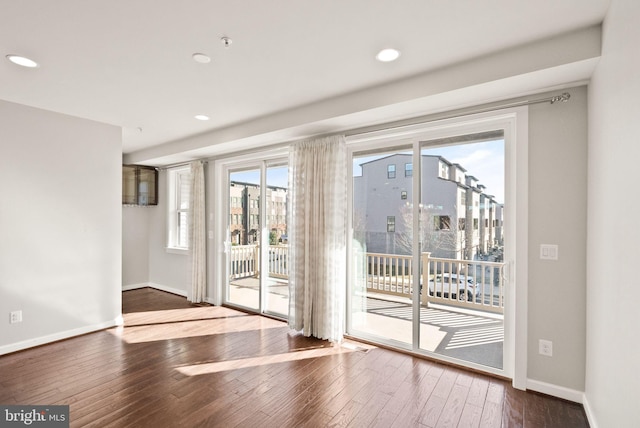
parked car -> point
(460, 287)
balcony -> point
(461, 301)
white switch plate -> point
(548, 252)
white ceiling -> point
(128, 63)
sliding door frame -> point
(219, 218)
(514, 123)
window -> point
(391, 171)
(444, 170)
(178, 204)
(403, 194)
(391, 223)
(442, 222)
(461, 223)
(475, 224)
(463, 199)
(408, 170)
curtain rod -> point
(564, 97)
(176, 165)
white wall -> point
(135, 245)
(60, 222)
(613, 285)
(557, 215)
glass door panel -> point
(462, 244)
(243, 247)
(381, 291)
(276, 277)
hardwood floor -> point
(174, 364)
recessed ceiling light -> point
(201, 58)
(388, 55)
(21, 60)
(201, 117)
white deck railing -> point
(392, 274)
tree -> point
(440, 234)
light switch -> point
(548, 252)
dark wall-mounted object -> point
(139, 185)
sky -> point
(485, 161)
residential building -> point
(457, 216)
(244, 217)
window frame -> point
(391, 224)
(391, 170)
(177, 233)
(408, 169)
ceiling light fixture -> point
(226, 41)
(388, 55)
(201, 117)
(201, 58)
(22, 60)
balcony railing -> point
(472, 284)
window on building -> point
(391, 171)
(461, 223)
(408, 170)
(442, 222)
(475, 224)
(391, 223)
(178, 205)
(444, 170)
(403, 194)
(463, 199)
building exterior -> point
(244, 212)
(458, 219)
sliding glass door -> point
(428, 242)
(256, 239)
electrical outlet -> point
(545, 347)
(15, 317)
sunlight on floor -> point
(216, 367)
(192, 322)
(176, 315)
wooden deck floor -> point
(174, 364)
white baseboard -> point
(171, 290)
(587, 409)
(19, 346)
(134, 286)
(160, 287)
(555, 390)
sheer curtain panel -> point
(317, 275)
(197, 234)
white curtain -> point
(197, 234)
(317, 229)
